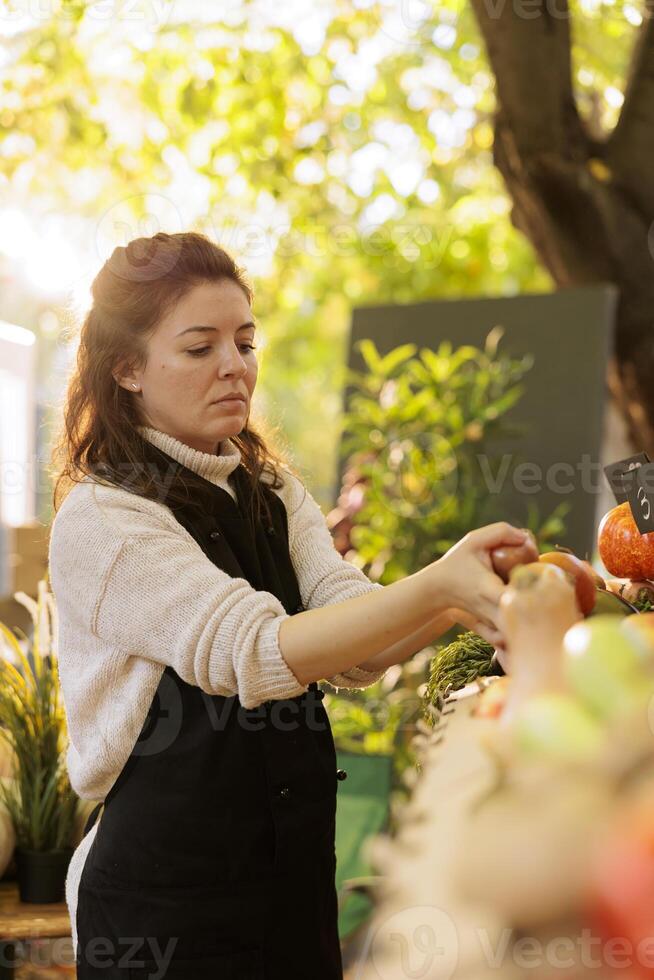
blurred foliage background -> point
(417, 425)
(341, 150)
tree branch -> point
(630, 149)
(560, 208)
(528, 44)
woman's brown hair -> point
(132, 292)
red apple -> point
(597, 578)
(506, 558)
(622, 881)
(625, 552)
(582, 579)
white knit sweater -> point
(135, 592)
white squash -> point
(7, 833)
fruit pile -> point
(629, 555)
(624, 552)
(594, 594)
(578, 649)
(528, 849)
(565, 842)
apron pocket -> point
(242, 965)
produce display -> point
(468, 657)
(638, 594)
(625, 552)
(533, 824)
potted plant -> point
(417, 426)
(39, 799)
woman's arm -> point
(409, 645)
(426, 635)
(325, 578)
(325, 641)
(130, 582)
(328, 640)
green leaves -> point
(97, 110)
(418, 424)
(365, 726)
(40, 799)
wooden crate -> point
(29, 921)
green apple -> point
(604, 668)
(558, 727)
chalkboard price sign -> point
(641, 498)
(622, 476)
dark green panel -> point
(568, 333)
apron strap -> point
(92, 817)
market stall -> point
(528, 846)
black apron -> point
(214, 856)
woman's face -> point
(199, 352)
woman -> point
(200, 599)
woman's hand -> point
(470, 622)
(466, 582)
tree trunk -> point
(585, 200)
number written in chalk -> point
(641, 498)
(644, 503)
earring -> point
(134, 386)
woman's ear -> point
(125, 376)
(128, 383)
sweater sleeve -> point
(324, 576)
(157, 596)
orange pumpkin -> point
(626, 552)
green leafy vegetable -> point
(468, 657)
